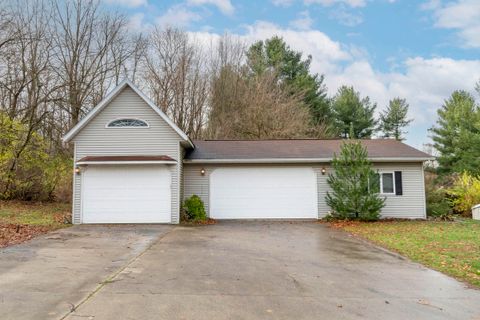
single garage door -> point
(126, 194)
(263, 193)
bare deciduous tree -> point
(26, 86)
(176, 78)
(59, 58)
(245, 106)
(89, 48)
(257, 109)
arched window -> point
(121, 123)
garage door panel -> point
(126, 194)
(257, 193)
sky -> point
(418, 50)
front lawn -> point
(450, 247)
(21, 221)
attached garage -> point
(126, 194)
(132, 164)
(263, 193)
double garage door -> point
(263, 193)
(142, 193)
(126, 194)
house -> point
(134, 165)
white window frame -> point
(128, 127)
(381, 182)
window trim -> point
(128, 127)
(393, 182)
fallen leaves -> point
(209, 221)
(21, 220)
(14, 233)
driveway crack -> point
(111, 277)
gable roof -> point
(308, 150)
(99, 107)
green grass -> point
(34, 214)
(450, 247)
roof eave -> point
(304, 160)
(83, 163)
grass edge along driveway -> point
(22, 221)
(449, 247)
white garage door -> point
(263, 193)
(126, 194)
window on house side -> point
(387, 183)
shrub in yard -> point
(194, 209)
(437, 204)
(354, 185)
(29, 170)
(465, 193)
(437, 198)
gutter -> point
(300, 160)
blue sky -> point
(418, 50)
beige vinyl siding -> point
(196, 184)
(180, 179)
(410, 205)
(322, 188)
(158, 139)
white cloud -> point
(424, 82)
(282, 3)
(303, 22)
(326, 52)
(137, 24)
(128, 3)
(328, 3)
(460, 15)
(427, 82)
(431, 5)
(342, 12)
(178, 16)
(346, 18)
(225, 6)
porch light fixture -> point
(202, 171)
(324, 171)
(77, 170)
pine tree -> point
(353, 114)
(354, 185)
(456, 134)
(394, 119)
(293, 73)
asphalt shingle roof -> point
(297, 149)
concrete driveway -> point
(232, 270)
